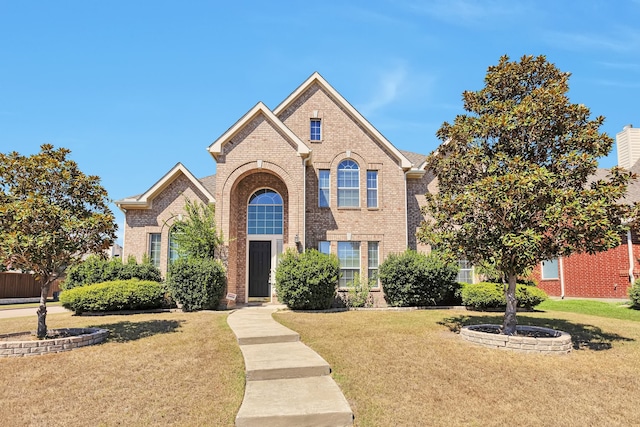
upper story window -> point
(316, 130)
(264, 213)
(348, 184)
(372, 189)
(323, 188)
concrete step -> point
(281, 361)
(298, 402)
(258, 327)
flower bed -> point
(530, 339)
(22, 343)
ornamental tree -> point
(517, 176)
(50, 215)
(196, 235)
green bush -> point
(116, 295)
(98, 270)
(488, 296)
(359, 293)
(634, 294)
(197, 284)
(307, 281)
(416, 279)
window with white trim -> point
(155, 241)
(315, 130)
(372, 189)
(324, 182)
(373, 261)
(174, 254)
(265, 213)
(465, 274)
(348, 184)
(549, 269)
(349, 256)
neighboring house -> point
(311, 173)
(607, 274)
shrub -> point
(98, 270)
(116, 295)
(359, 293)
(307, 281)
(487, 296)
(634, 294)
(416, 279)
(197, 284)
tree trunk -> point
(42, 310)
(509, 324)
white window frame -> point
(343, 189)
(372, 190)
(557, 269)
(155, 246)
(327, 188)
(352, 269)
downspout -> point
(560, 261)
(406, 212)
(630, 249)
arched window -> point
(264, 213)
(348, 184)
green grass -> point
(618, 310)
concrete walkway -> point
(23, 312)
(288, 384)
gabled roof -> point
(260, 109)
(144, 200)
(316, 78)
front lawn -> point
(412, 369)
(155, 370)
(613, 310)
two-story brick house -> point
(311, 173)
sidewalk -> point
(23, 312)
(287, 383)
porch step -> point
(312, 401)
(282, 361)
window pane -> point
(550, 269)
(349, 256)
(465, 274)
(316, 127)
(373, 260)
(173, 246)
(265, 213)
(348, 184)
(324, 247)
(154, 249)
(372, 189)
(323, 186)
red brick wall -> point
(603, 275)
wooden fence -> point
(19, 285)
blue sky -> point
(133, 87)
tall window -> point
(154, 248)
(550, 269)
(264, 213)
(465, 274)
(349, 256)
(324, 247)
(372, 189)
(374, 260)
(316, 130)
(323, 188)
(173, 245)
(348, 184)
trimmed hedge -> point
(98, 270)
(634, 294)
(116, 295)
(307, 281)
(488, 296)
(197, 284)
(416, 279)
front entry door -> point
(259, 268)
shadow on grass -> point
(583, 337)
(131, 331)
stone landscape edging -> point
(80, 337)
(559, 343)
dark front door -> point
(259, 268)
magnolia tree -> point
(516, 176)
(50, 215)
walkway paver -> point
(288, 384)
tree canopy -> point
(196, 235)
(517, 180)
(50, 215)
